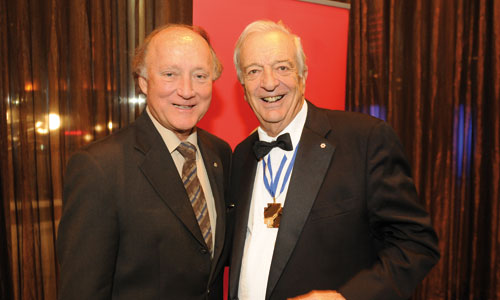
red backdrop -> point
(323, 31)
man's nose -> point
(269, 81)
(185, 88)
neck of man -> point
(274, 129)
(183, 135)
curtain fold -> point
(65, 82)
(431, 69)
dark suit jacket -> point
(128, 230)
(351, 220)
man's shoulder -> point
(212, 138)
(213, 141)
(356, 127)
(111, 148)
(344, 121)
(245, 146)
(338, 117)
(124, 135)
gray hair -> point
(139, 60)
(268, 26)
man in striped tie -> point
(144, 215)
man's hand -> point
(320, 295)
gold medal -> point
(272, 215)
(273, 211)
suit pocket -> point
(328, 210)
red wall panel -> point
(323, 31)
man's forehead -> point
(273, 36)
(175, 37)
(272, 46)
(176, 34)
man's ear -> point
(244, 93)
(143, 84)
(304, 76)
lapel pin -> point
(215, 165)
(322, 145)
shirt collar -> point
(169, 137)
(294, 128)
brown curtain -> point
(432, 70)
(65, 81)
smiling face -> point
(270, 78)
(178, 86)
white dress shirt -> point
(260, 240)
(172, 141)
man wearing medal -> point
(325, 204)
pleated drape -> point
(432, 70)
(65, 82)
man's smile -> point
(184, 106)
(271, 99)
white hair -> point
(268, 26)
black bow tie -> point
(261, 148)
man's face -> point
(271, 81)
(179, 79)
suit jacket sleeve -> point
(88, 232)
(401, 228)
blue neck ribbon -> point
(272, 186)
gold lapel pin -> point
(322, 145)
(215, 165)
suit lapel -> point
(215, 173)
(159, 168)
(242, 197)
(313, 159)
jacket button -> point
(203, 251)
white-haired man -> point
(325, 205)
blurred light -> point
(137, 100)
(54, 121)
(110, 125)
(378, 111)
(87, 137)
(28, 87)
(42, 130)
(463, 140)
(73, 132)
(98, 128)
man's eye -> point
(201, 76)
(283, 68)
(168, 74)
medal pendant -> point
(272, 215)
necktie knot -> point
(187, 150)
(262, 148)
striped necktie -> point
(194, 190)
